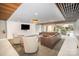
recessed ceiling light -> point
(35, 13)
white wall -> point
(14, 29)
(2, 29)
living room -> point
(39, 29)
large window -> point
(61, 28)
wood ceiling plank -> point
(13, 6)
(4, 16)
(6, 10)
(7, 7)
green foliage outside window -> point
(63, 30)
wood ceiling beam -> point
(71, 11)
(61, 7)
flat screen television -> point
(25, 27)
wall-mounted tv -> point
(25, 27)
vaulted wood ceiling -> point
(70, 11)
(7, 9)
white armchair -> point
(30, 44)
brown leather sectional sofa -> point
(49, 39)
